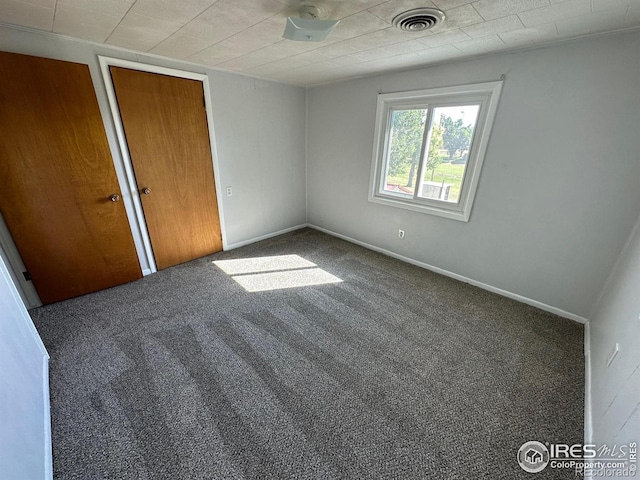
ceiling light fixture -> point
(310, 26)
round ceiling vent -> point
(418, 19)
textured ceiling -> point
(246, 35)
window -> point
(429, 147)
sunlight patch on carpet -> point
(261, 274)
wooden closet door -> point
(57, 177)
(165, 125)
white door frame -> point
(130, 192)
(13, 261)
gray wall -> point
(25, 449)
(615, 391)
(559, 192)
(259, 131)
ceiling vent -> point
(418, 19)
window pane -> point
(449, 143)
(403, 154)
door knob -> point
(114, 198)
(146, 190)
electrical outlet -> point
(612, 355)
(401, 234)
(229, 191)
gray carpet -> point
(394, 373)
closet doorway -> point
(165, 140)
(60, 196)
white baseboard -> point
(146, 271)
(264, 237)
(484, 286)
(46, 399)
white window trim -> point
(487, 94)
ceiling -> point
(245, 36)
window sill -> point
(451, 213)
